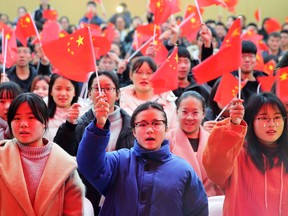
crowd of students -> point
(137, 152)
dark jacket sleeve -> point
(44, 69)
(69, 136)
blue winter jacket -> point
(137, 181)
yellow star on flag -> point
(283, 76)
(80, 40)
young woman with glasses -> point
(189, 139)
(146, 180)
(70, 133)
(252, 172)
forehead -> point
(103, 79)
(190, 102)
(24, 108)
(61, 81)
(149, 114)
(269, 109)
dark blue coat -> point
(138, 181)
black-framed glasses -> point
(156, 124)
(264, 120)
(107, 90)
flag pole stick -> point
(5, 57)
(148, 41)
(239, 83)
(198, 10)
(222, 111)
(94, 57)
(36, 30)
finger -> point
(75, 105)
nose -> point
(149, 128)
(271, 122)
(23, 124)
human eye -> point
(278, 118)
(157, 123)
(263, 118)
(16, 118)
(142, 124)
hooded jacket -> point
(248, 191)
(60, 191)
(137, 181)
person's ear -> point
(134, 133)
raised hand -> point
(236, 111)
(73, 113)
(101, 109)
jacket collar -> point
(161, 155)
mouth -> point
(150, 139)
(271, 132)
(23, 133)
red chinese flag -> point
(50, 14)
(233, 36)
(269, 67)
(228, 89)
(25, 28)
(102, 45)
(63, 33)
(72, 55)
(272, 25)
(231, 4)
(142, 34)
(206, 3)
(191, 23)
(165, 78)
(218, 64)
(11, 55)
(160, 49)
(257, 15)
(95, 29)
(163, 9)
(266, 82)
(282, 83)
(50, 32)
(252, 36)
(7, 31)
(109, 32)
(262, 46)
(259, 62)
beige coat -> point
(60, 191)
(180, 146)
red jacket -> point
(248, 191)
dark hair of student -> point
(192, 94)
(249, 47)
(35, 102)
(37, 79)
(51, 103)
(254, 147)
(138, 62)
(9, 90)
(145, 106)
(110, 75)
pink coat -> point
(180, 146)
(60, 191)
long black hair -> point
(254, 146)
